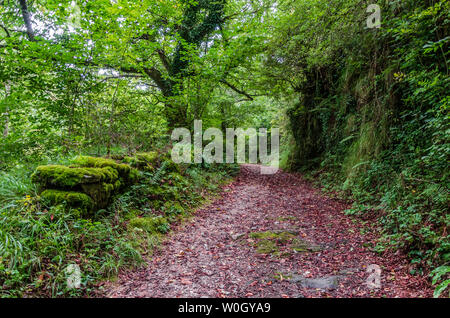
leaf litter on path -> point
(218, 253)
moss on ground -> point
(266, 247)
(281, 243)
(151, 224)
(280, 236)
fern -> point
(439, 273)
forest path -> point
(311, 250)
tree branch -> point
(6, 30)
(237, 90)
(164, 59)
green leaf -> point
(440, 288)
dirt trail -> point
(311, 250)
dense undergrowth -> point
(372, 120)
(40, 240)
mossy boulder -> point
(97, 178)
(151, 224)
(126, 173)
(101, 193)
(62, 177)
(73, 199)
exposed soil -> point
(271, 236)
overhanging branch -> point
(237, 90)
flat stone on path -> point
(325, 283)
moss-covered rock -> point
(101, 193)
(56, 176)
(126, 173)
(72, 199)
(98, 178)
(156, 224)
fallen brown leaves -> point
(213, 255)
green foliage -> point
(144, 160)
(441, 274)
(369, 113)
(363, 110)
(14, 185)
(37, 246)
(173, 209)
(37, 243)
